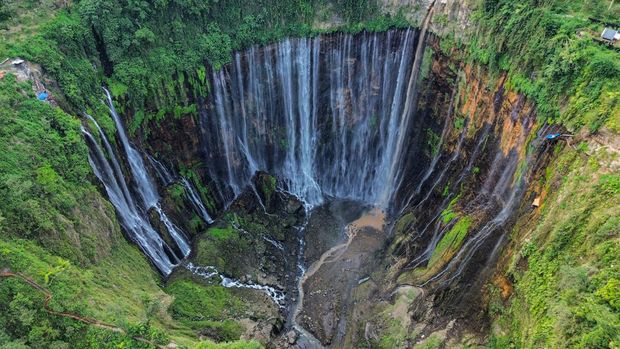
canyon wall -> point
(458, 182)
(454, 156)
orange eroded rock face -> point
(483, 104)
(504, 285)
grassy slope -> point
(20, 20)
(57, 229)
(567, 265)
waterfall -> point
(409, 106)
(196, 202)
(328, 115)
(133, 215)
(174, 231)
(143, 181)
(209, 272)
(165, 176)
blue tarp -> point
(552, 136)
(42, 96)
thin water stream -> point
(209, 272)
(373, 218)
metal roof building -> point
(610, 34)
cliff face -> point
(484, 218)
(472, 152)
(453, 214)
(308, 110)
(454, 156)
(450, 17)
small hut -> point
(610, 35)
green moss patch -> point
(225, 233)
(448, 214)
(451, 241)
(403, 223)
(206, 308)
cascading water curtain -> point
(325, 114)
(133, 213)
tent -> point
(42, 96)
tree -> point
(5, 11)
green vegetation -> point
(47, 199)
(221, 245)
(236, 244)
(403, 223)
(451, 241)
(446, 190)
(432, 342)
(426, 65)
(235, 345)
(195, 179)
(448, 214)
(5, 12)
(153, 55)
(206, 308)
(263, 225)
(44, 172)
(459, 123)
(225, 233)
(25, 324)
(395, 333)
(548, 51)
(57, 229)
(568, 295)
(433, 140)
(155, 62)
(21, 19)
(177, 193)
(268, 186)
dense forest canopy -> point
(138, 46)
(143, 50)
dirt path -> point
(48, 297)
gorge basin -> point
(356, 128)
(325, 289)
(309, 174)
